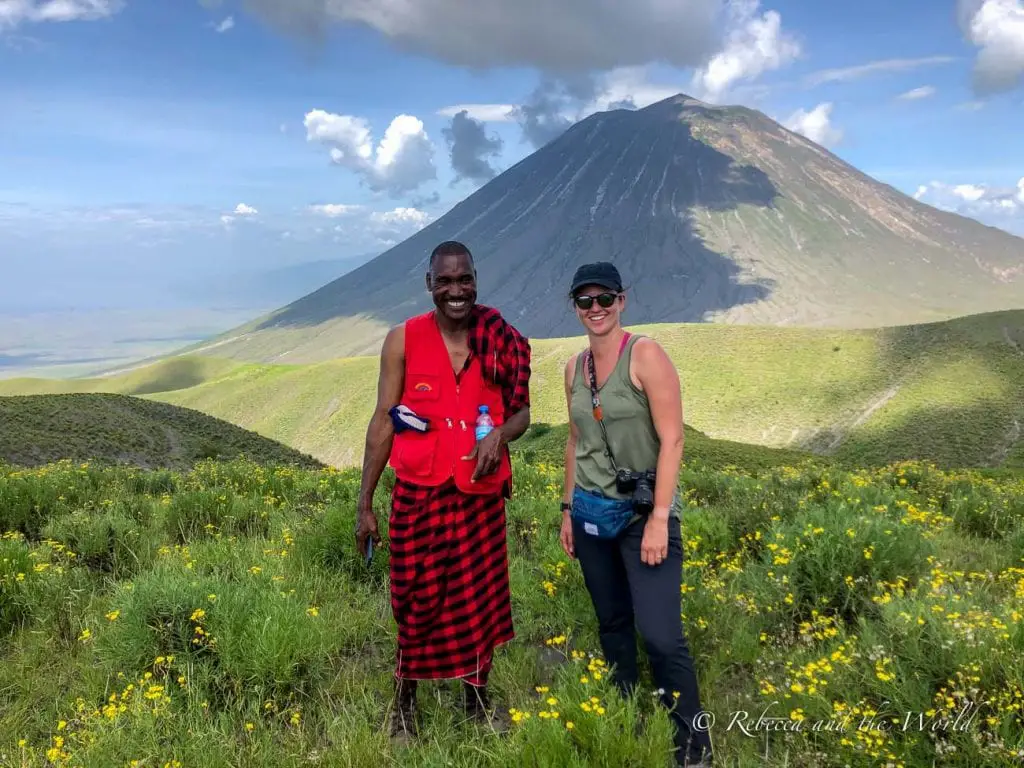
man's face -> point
(452, 283)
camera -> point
(640, 485)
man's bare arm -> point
(380, 432)
(516, 426)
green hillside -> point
(118, 429)
(951, 392)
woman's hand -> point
(654, 547)
(566, 535)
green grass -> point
(546, 443)
(949, 392)
(39, 429)
(221, 617)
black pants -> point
(629, 595)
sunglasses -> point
(605, 300)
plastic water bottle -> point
(484, 423)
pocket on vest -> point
(414, 453)
(422, 387)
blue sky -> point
(149, 147)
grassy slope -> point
(163, 376)
(947, 391)
(109, 428)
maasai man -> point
(449, 561)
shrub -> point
(107, 541)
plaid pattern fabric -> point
(449, 581)
(504, 355)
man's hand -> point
(366, 528)
(488, 453)
(654, 547)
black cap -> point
(602, 273)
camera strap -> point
(595, 398)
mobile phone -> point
(369, 545)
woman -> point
(625, 415)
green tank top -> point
(627, 417)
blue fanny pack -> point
(600, 515)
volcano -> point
(711, 213)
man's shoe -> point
(403, 715)
(403, 727)
(480, 709)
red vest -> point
(430, 390)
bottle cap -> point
(484, 409)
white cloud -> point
(15, 12)
(754, 45)
(916, 94)
(391, 227)
(485, 113)
(972, 193)
(225, 25)
(996, 28)
(334, 210)
(627, 87)
(402, 161)
(845, 74)
(816, 125)
(411, 217)
(241, 209)
(570, 36)
(555, 104)
(998, 206)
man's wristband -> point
(566, 506)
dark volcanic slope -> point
(711, 213)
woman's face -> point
(598, 308)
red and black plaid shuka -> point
(449, 558)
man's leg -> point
(608, 585)
(403, 713)
(656, 599)
(410, 508)
(477, 701)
